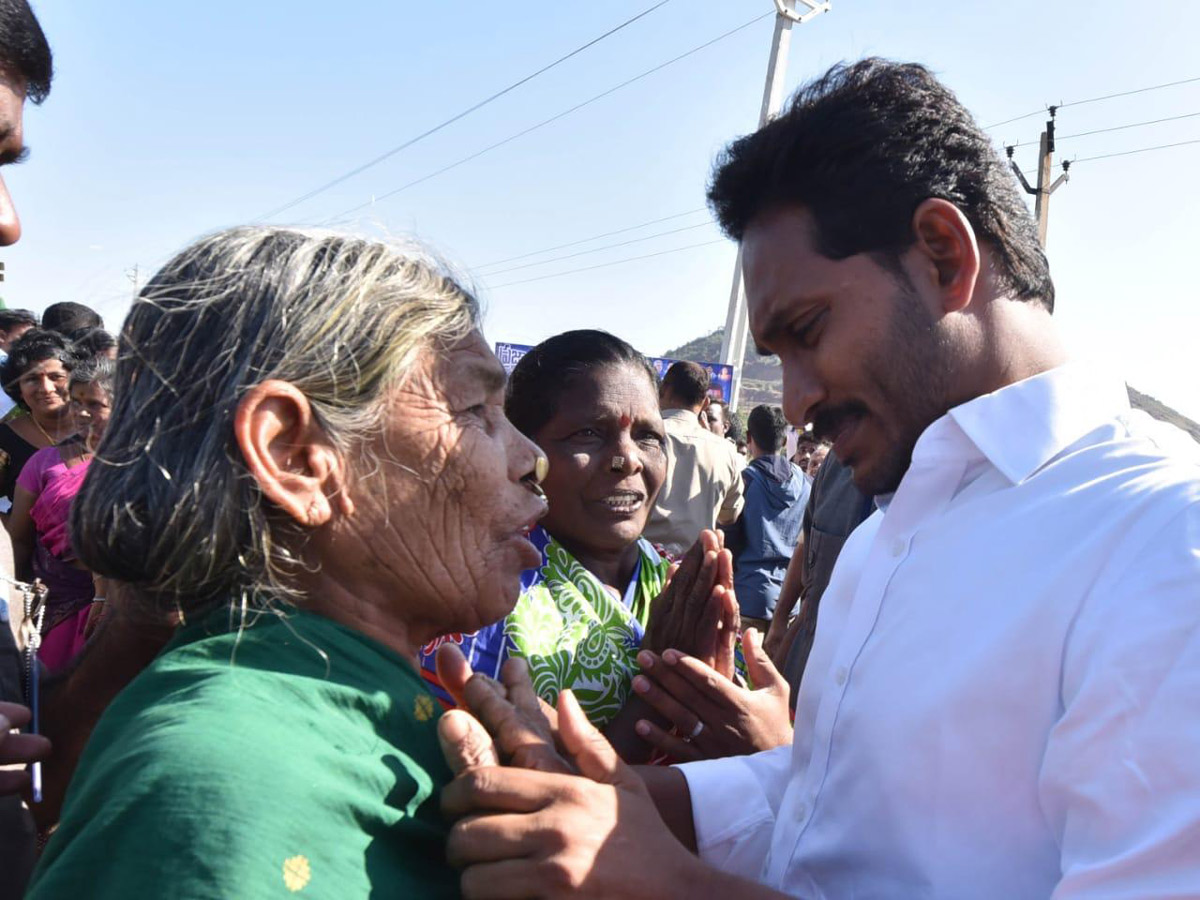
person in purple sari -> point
(39, 525)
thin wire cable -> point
(594, 237)
(615, 262)
(1076, 162)
(1066, 137)
(555, 259)
(1153, 87)
(624, 84)
(466, 112)
(1036, 112)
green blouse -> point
(297, 758)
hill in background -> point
(762, 381)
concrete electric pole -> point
(733, 344)
(1041, 203)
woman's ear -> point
(287, 452)
(947, 241)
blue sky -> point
(171, 120)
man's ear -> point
(288, 454)
(946, 243)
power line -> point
(1037, 112)
(648, 237)
(615, 262)
(466, 112)
(545, 122)
(594, 237)
(1063, 137)
(1076, 162)
(1154, 87)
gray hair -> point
(98, 370)
(168, 506)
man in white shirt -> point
(1003, 697)
(703, 487)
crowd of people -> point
(328, 605)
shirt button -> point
(899, 545)
(840, 675)
(801, 811)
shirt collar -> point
(682, 415)
(1023, 426)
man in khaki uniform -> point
(703, 487)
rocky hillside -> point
(762, 381)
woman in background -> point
(40, 519)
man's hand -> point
(712, 716)
(522, 833)
(697, 610)
(18, 749)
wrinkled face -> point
(445, 514)
(605, 446)
(44, 387)
(12, 149)
(863, 355)
(90, 405)
(714, 416)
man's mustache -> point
(830, 420)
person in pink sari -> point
(39, 524)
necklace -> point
(45, 433)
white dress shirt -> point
(1003, 699)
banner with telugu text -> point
(720, 375)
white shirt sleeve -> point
(1120, 781)
(734, 804)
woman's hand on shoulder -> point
(497, 722)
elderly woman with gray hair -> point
(308, 465)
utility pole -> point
(1041, 203)
(733, 344)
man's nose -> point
(10, 224)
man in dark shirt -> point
(835, 508)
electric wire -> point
(639, 240)
(615, 262)
(466, 159)
(1076, 162)
(1036, 112)
(594, 237)
(466, 112)
(1066, 137)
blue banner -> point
(720, 376)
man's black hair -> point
(24, 51)
(861, 148)
(71, 319)
(768, 427)
(31, 348)
(13, 318)
(548, 370)
(92, 343)
(687, 382)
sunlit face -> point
(443, 500)
(714, 416)
(605, 445)
(863, 355)
(816, 459)
(44, 387)
(90, 406)
(12, 149)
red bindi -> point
(626, 421)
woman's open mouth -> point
(624, 502)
